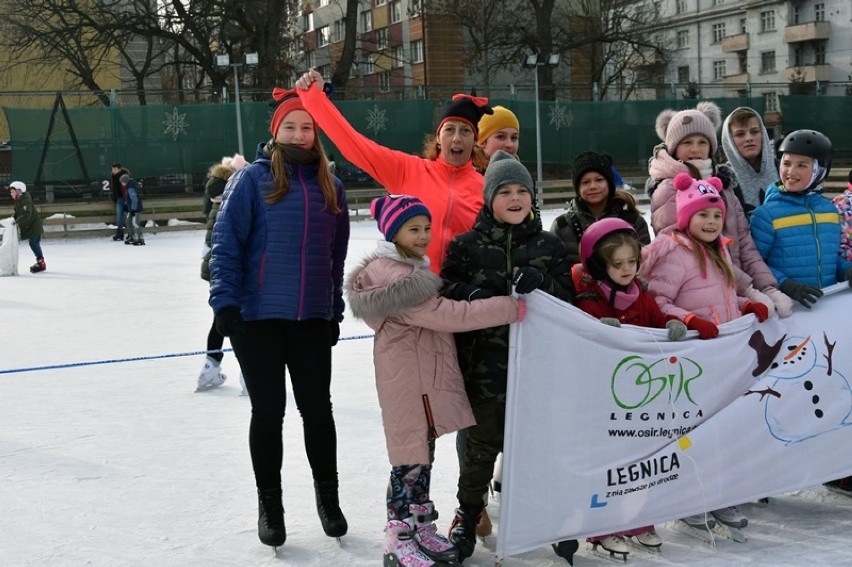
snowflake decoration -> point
(377, 120)
(175, 124)
(560, 116)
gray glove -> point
(611, 321)
(677, 330)
(803, 293)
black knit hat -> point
(466, 108)
(592, 161)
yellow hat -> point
(490, 123)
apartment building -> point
(401, 49)
(767, 48)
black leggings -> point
(266, 351)
(215, 341)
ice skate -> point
(731, 517)
(401, 549)
(650, 539)
(39, 266)
(119, 235)
(612, 544)
(463, 529)
(270, 518)
(328, 507)
(566, 549)
(434, 546)
(211, 375)
(139, 242)
(699, 521)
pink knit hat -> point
(392, 211)
(695, 195)
(673, 127)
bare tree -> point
(85, 36)
(607, 39)
(340, 71)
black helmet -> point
(812, 144)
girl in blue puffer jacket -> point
(276, 288)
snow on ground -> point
(114, 464)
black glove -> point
(849, 276)
(803, 293)
(528, 279)
(467, 292)
(229, 322)
(333, 332)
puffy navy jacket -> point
(281, 261)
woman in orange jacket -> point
(444, 178)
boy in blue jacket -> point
(797, 230)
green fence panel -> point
(168, 140)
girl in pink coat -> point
(688, 266)
(689, 272)
(420, 386)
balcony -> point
(810, 31)
(734, 83)
(809, 73)
(734, 43)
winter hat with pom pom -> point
(672, 126)
(695, 195)
(392, 211)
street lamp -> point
(534, 61)
(223, 61)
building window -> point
(795, 15)
(324, 70)
(311, 59)
(742, 61)
(718, 32)
(743, 26)
(323, 3)
(381, 2)
(339, 31)
(680, 6)
(308, 22)
(797, 56)
(767, 21)
(417, 51)
(382, 38)
(366, 21)
(658, 8)
(395, 11)
(718, 2)
(384, 81)
(398, 56)
(819, 12)
(682, 39)
(819, 53)
(323, 36)
(416, 8)
(367, 63)
(683, 75)
(718, 70)
(770, 102)
(767, 62)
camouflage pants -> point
(484, 443)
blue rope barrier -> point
(138, 358)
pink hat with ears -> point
(695, 195)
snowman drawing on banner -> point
(806, 396)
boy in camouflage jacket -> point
(506, 244)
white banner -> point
(613, 428)
(9, 248)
